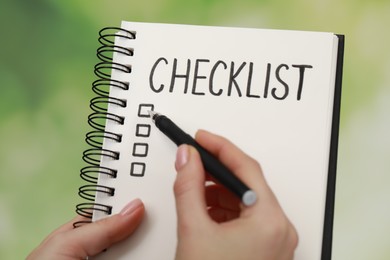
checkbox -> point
(142, 130)
(143, 110)
(137, 169)
(140, 149)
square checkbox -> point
(140, 149)
(143, 110)
(137, 169)
(142, 130)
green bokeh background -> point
(47, 54)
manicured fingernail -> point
(181, 156)
(131, 207)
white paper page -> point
(289, 137)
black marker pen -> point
(210, 163)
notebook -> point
(274, 93)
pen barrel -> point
(172, 131)
(211, 164)
(221, 173)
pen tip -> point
(153, 114)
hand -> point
(66, 243)
(212, 224)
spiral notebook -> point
(274, 93)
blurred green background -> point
(47, 54)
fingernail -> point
(131, 207)
(181, 156)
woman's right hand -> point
(213, 224)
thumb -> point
(95, 237)
(189, 187)
(88, 240)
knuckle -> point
(282, 232)
(293, 238)
(277, 229)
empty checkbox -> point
(140, 149)
(142, 130)
(137, 169)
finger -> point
(189, 187)
(93, 238)
(246, 168)
(218, 196)
(65, 227)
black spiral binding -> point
(97, 120)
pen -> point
(211, 164)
